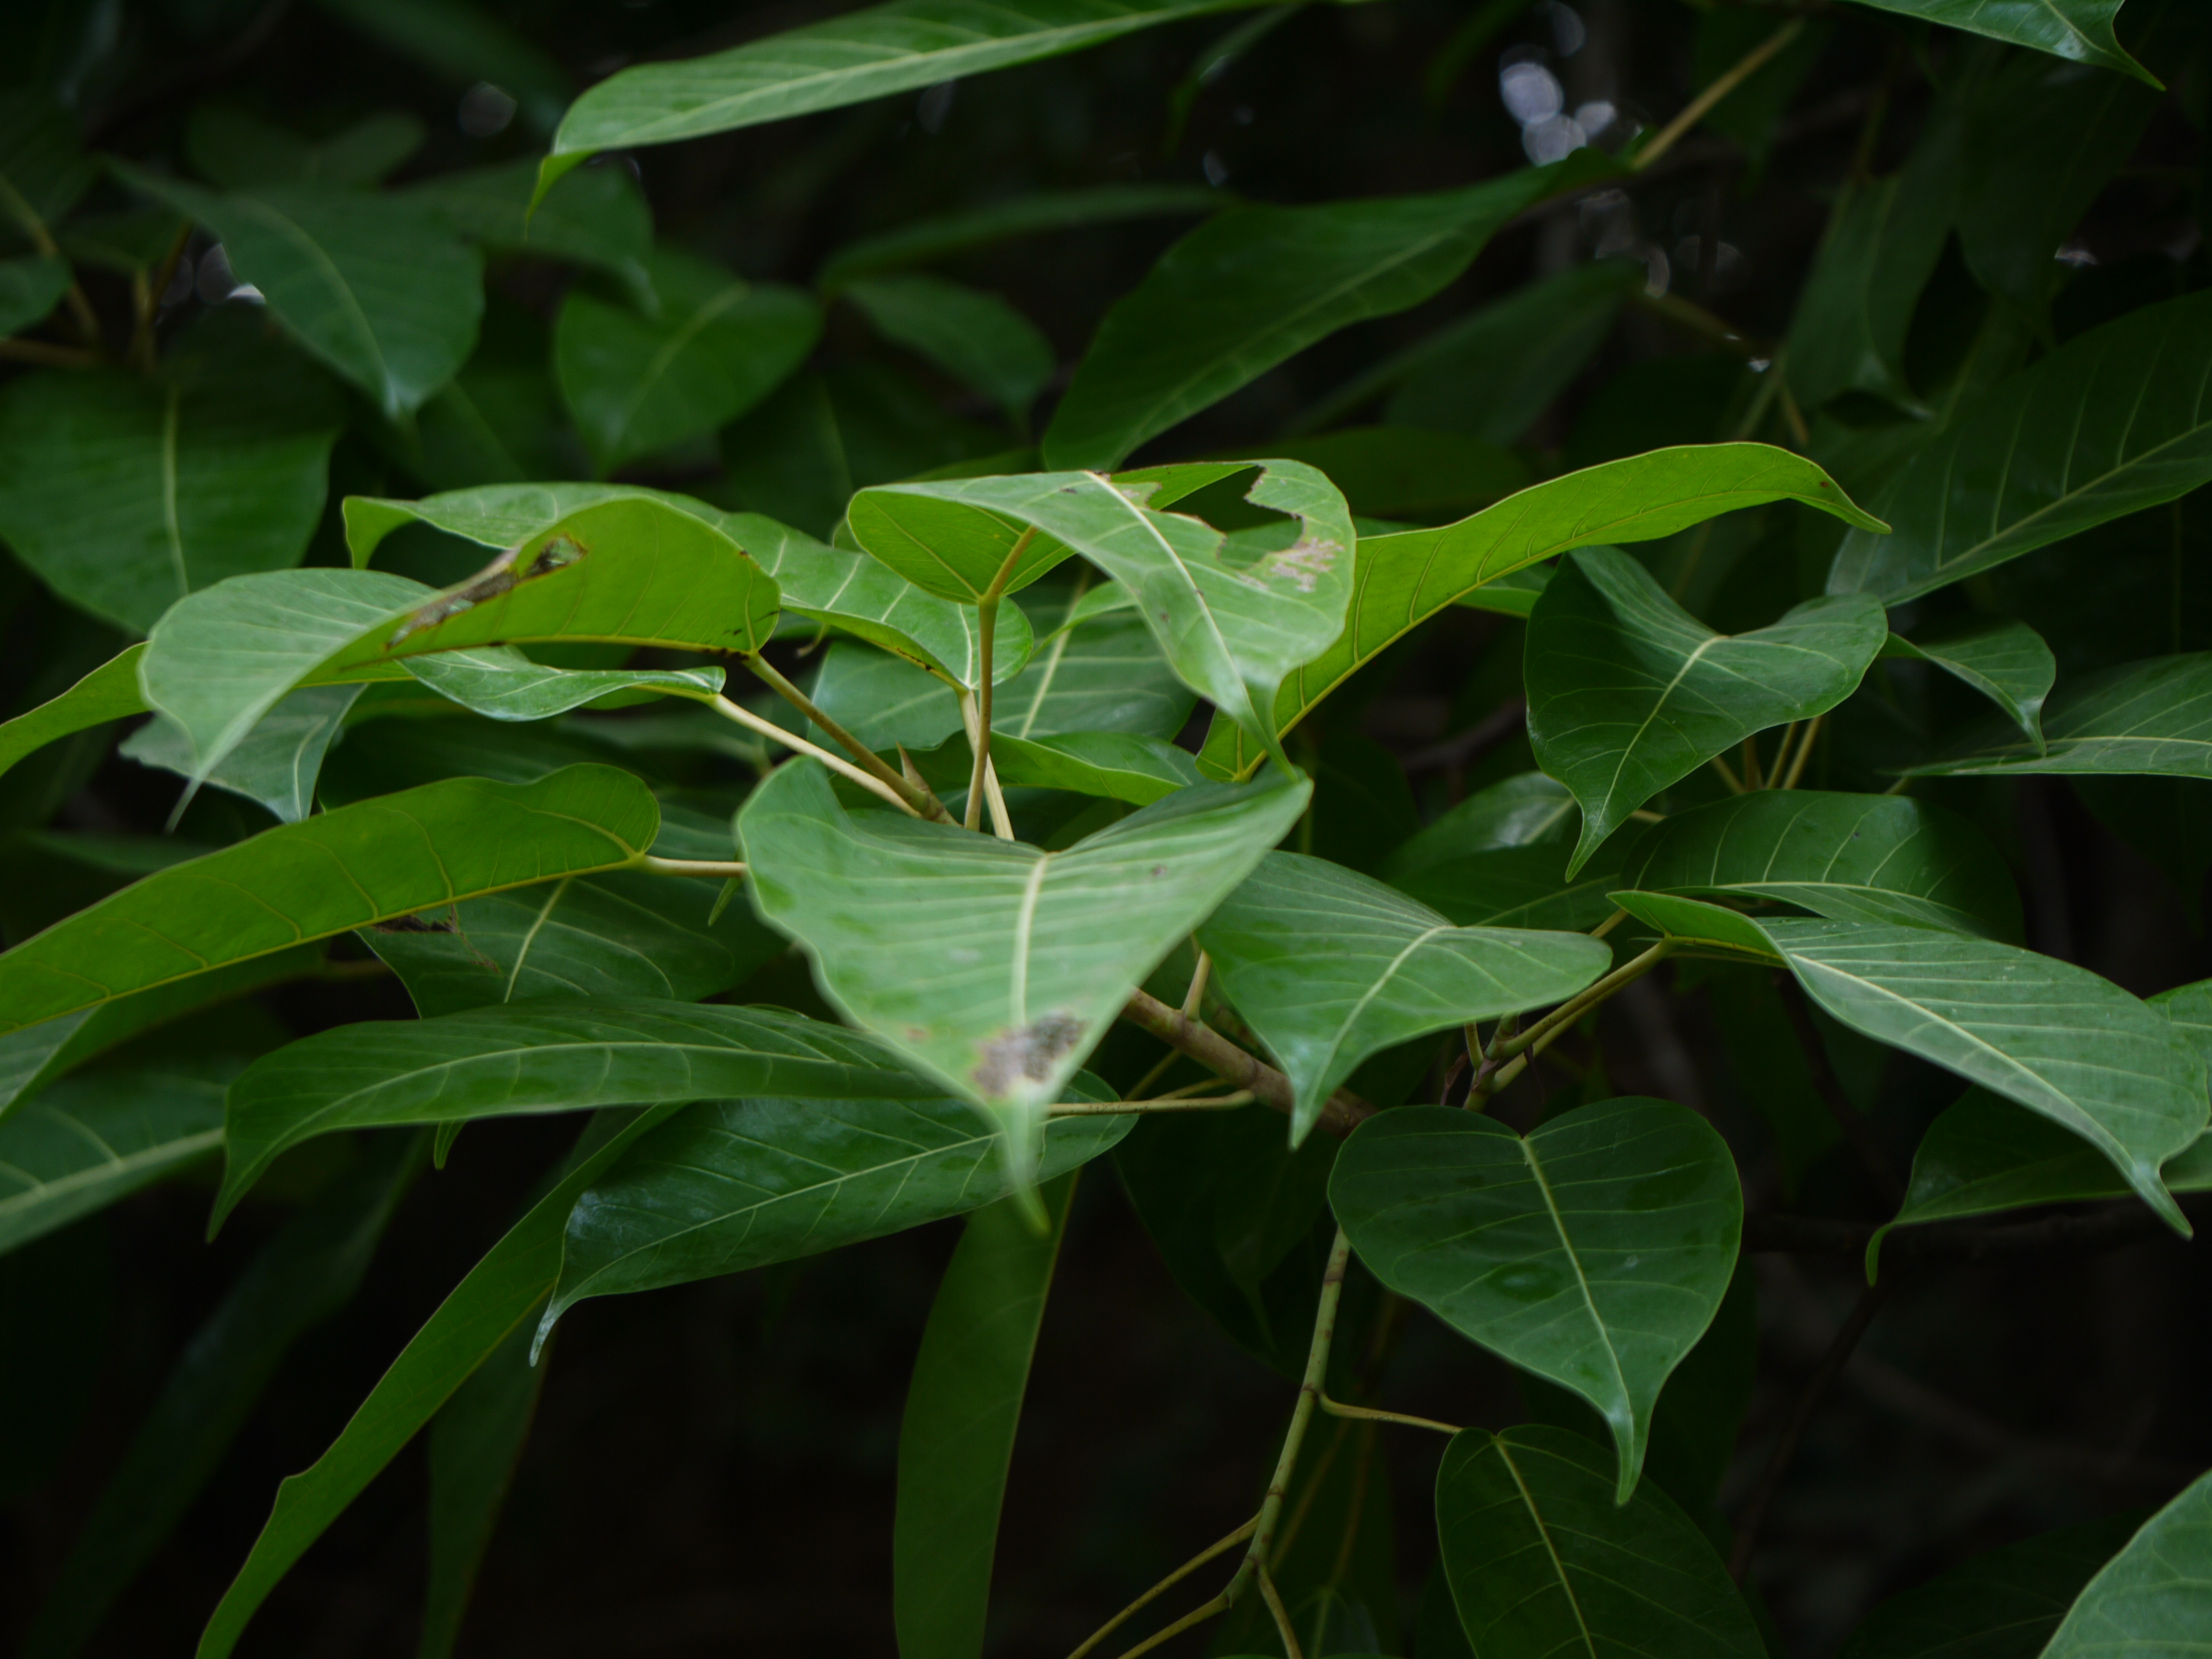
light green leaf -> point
(332, 872)
(376, 286)
(973, 335)
(1539, 1560)
(84, 1142)
(715, 346)
(1114, 765)
(1515, 887)
(278, 764)
(1526, 810)
(596, 216)
(1593, 1253)
(110, 692)
(870, 53)
(963, 1406)
(125, 493)
(502, 684)
(884, 699)
(29, 290)
(2113, 422)
(1400, 580)
(2006, 662)
(2079, 30)
(1329, 966)
(1255, 285)
(474, 1446)
(2152, 718)
(733, 1184)
(498, 1294)
(1850, 858)
(546, 1055)
(1035, 953)
(2054, 1037)
(2153, 1600)
(1629, 693)
(1037, 213)
(301, 1276)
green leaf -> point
(2000, 1605)
(1540, 1561)
(78, 1146)
(499, 1293)
(2152, 718)
(2153, 1600)
(956, 1438)
(110, 692)
(1232, 621)
(1037, 214)
(715, 346)
(332, 872)
(870, 53)
(1526, 810)
(376, 286)
(43, 165)
(2006, 662)
(239, 151)
(733, 1184)
(1400, 580)
(1515, 887)
(545, 1055)
(2079, 30)
(1593, 1253)
(596, 216)
(1255, 285)
(1114, 765)
(301, 1276)
(1629, 693)
(125, 493)
(1329, 966)
(278, 764)
(2110, 423)
(1035, 952)
(474, 1446)
(1850, 858)
(29, 290)
(2057, 1038)
(501, 684)
(973, 335)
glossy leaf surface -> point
(2080, 30)
(2153, 1599)
(1594, 1252)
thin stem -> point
(43, 351)
(1163, 1103)
(1341, 1113)
(987, 628)
(720, 869)
(1745, 66)
(1274, 1598)
(1508, 1059)
(1608, 924)
(1001, 825)
(1367, 1415)
(1220, 1547)
(1782, 755)
(1804, 751)
(844, 769)
(1694, 319)
(1197, 1615)
(1751, 778)
(918, 798)
(1728, 775)
(1790, 413)
(1166, 1061)
(143, 344)
(1195, 997)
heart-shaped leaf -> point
(1865, 858)
(1401, 580)
(1628, 692)
(1592, 1252)
(1329, 966)
(2153, 1599)
(85, 1142)
(1542, 1561)
(2144, 718)
(1034, 953)
(2006, 662)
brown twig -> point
(1340, 1115)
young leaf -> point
(2143, 718)
(546, 1055)
(1628, 692)
(733, 1184)
(1035, 952)
(1400, 580)
(2112, 421)
(376, 286)
(84, 1142)
(713, 346)
(1328, 966)
(2057, 1038)
(2006, 662)
(474, 1445)
(2079, 30)
(278, 764)
(300, 1278)
(1594, 1252)
(2155, 1598)
(1542, 1560)
(973, 335)
(498, 1294)
(1862, 858)
(963, 1406)
(335, 872)
(110, 692)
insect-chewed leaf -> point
(1628, 692)
(2153, 1599)
(1863, 857)
(1541, 1559)
(1592, 1252)
(2152, 718)
(1328, 966)
(1029, 954)
(363, 864)
(2006, 662)
(1401, 580)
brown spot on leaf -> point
(419, 923)
(1302, 564)
(494, 579)
(1030, 1052)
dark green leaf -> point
(2145, 717)
(2153, 1600)
(1037, 214)
(2080, 30)
(1526, 810)
(239, 151)
(474, 1445)
(1515, 887)
(973, 336)
(462, 42)
(1116, 765)
(29, 289)
(1397, 473)
(1629, 693)
(596, 216)
(2007, 662)
(1593, 1253)
(43, 165)
(1542, 1561)
(85, 1141)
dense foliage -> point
(1447, 637)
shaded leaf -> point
(239, 151)
(973, 335)
(1399, 472)
(2143, 718)
(29, 289)
(1526, 810)
(81, 1143)
(461, 42)
(2007, 662)
(1116, 765)
(1515, 887)
(596, 216)
(43, 165)
(1037, 214)
(474, 1445)
(2153, 1600)
(1594, 1252)
(278, 764)
(2080, 30)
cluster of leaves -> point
(813, 828)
